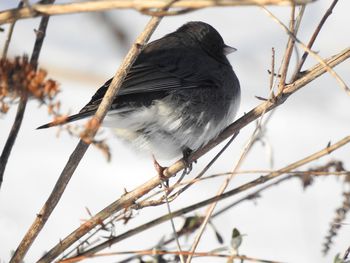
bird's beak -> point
(228, 49)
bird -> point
(179, 94)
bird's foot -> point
(186, 159)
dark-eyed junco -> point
(179, 94)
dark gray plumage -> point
(179, 94)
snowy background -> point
(287, 224)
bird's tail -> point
(75, 117)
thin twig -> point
(145, 203)
(314, 173)
(272, 74)
(131, 197)
(11, 139)
(288, 52)
(296, 30)
(313, 38)
(6, 152)
(172, 223)
(9, 16)
(118, 217)
(166, 252)
(299, 18)
(235, 191)
(167, 13)
(9, 35)
(8, 39)
(341, 82)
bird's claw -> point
(186, 160)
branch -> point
(313, 38)
(9, 35)
(288, 53)
(130, 198)
(24, 97)
(154, 252)
(341, 82)
(11, 139)
(36, 10)
(186, 230)
(182, 211)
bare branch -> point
(173, 224)
(288, 52)
(9, 35)
(243, 258)
(309, 51)
(24, 98)
(9, 16)
(12, 136)
(313, 38)
(60, 247)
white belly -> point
(159, 129)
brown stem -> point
(153, 252)
(341, 82)
(180, 212)
(23, 100)
(9, 35)
(287, 53)
(12, 136)
(313, 38)
(36, 10)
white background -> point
(287, 224)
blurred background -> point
(81, 51)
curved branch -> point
(95, 6)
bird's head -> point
(208, 38)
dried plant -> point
(307, 178)
(19, 77)
(340, 215)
